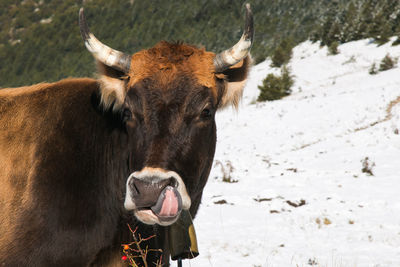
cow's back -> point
(29, 117)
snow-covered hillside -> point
(301, 197)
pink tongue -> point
(170, 205)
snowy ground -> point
(307, 151)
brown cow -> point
(82, 158)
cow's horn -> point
(239, 51)
(107, 55)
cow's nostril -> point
(163, 184)
(134, 187)
(137, 192)
(173, 182)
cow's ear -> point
(112, 86)
(235, 79)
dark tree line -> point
(40, 40)
(356, 19)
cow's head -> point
(167, 97)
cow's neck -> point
(66, 162)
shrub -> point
(226, 171)
(367, 166)
(396, 42)
(372, 70)
(333, 48)
(276, 87)
(387, 63)
(136, 251)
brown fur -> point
(65, 155)
(165, 61)
(170, 60)
(235, 80)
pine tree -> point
(380, 29)
(282, 53)
(334, 33)
(276, 87)
(348, 28)
(328, 21)
(365, 19)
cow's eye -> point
(206, 113)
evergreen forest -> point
(40, 39)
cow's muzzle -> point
(156, 196)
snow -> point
(309, 146)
